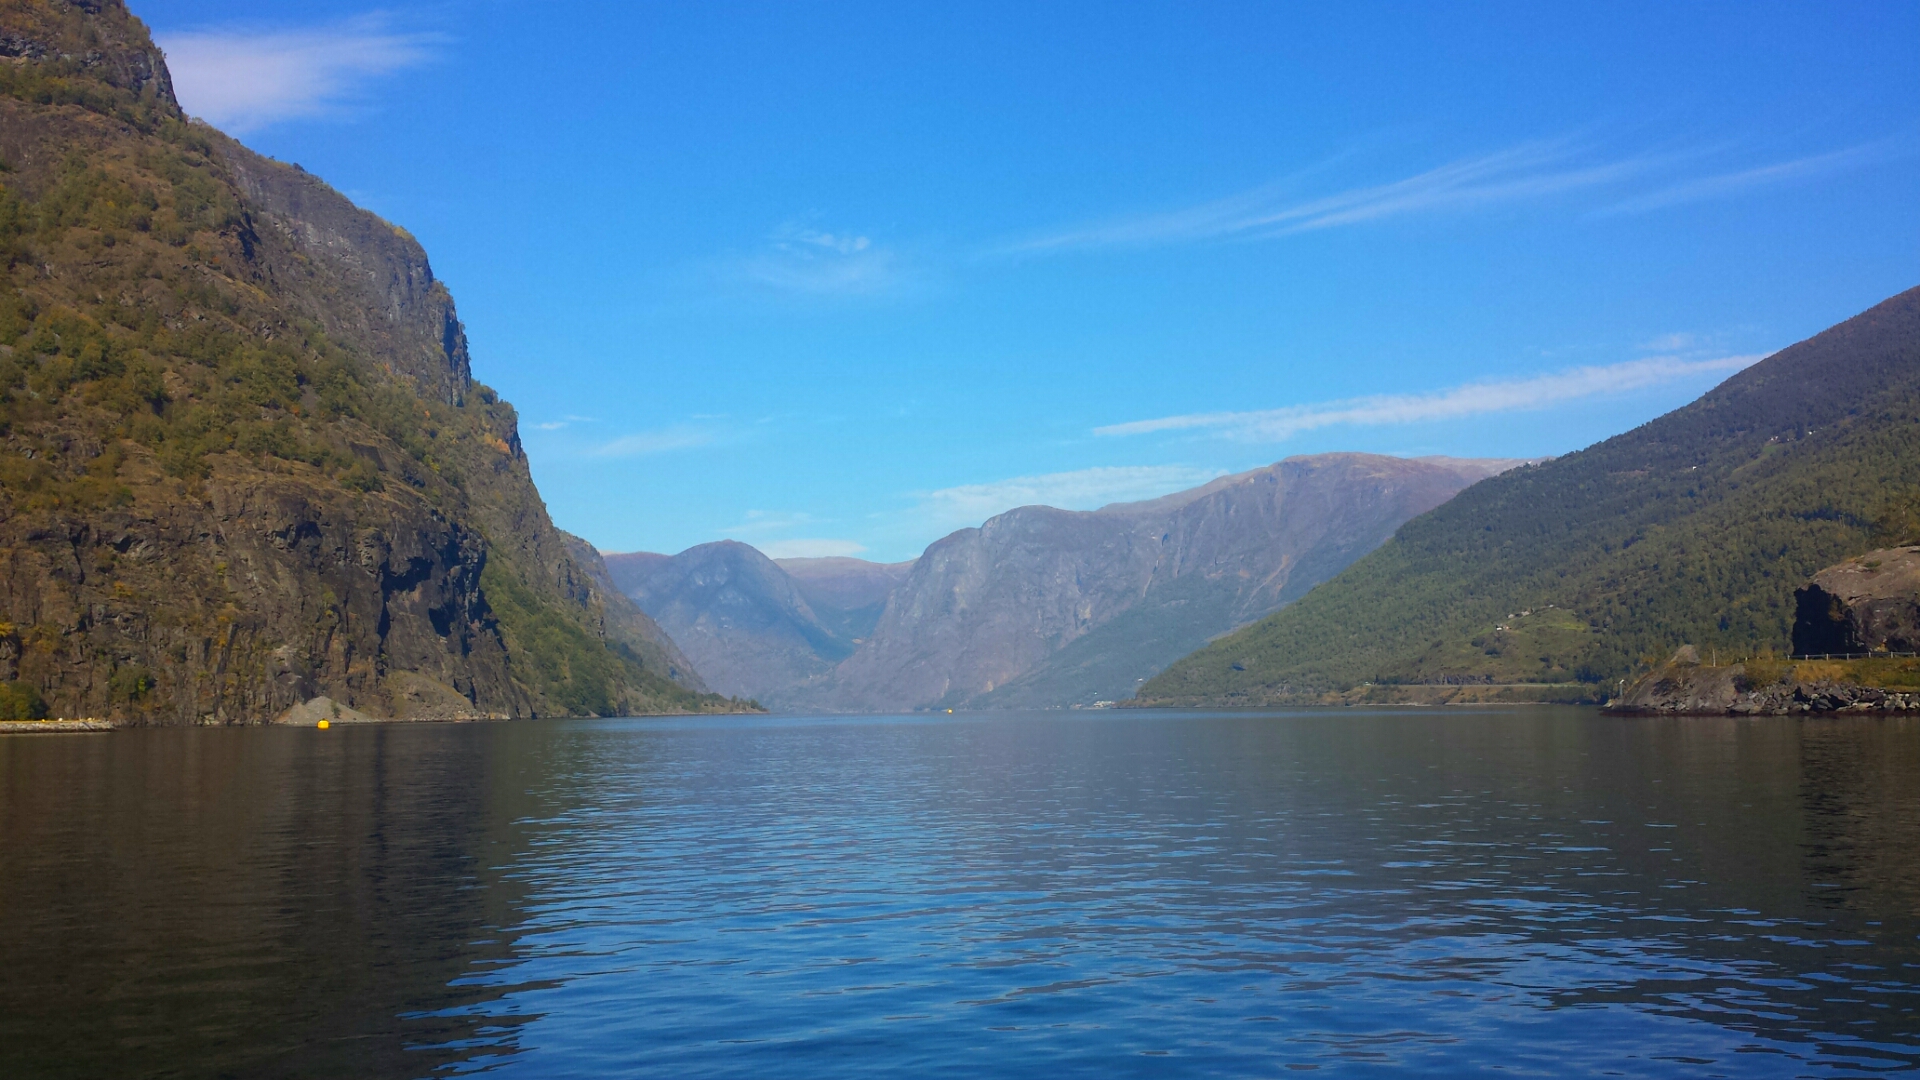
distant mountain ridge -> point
(1039, 606)
(755, 627)
(1042, 607)
(847, 595)
(1695, 528)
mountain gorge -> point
(758, 628)
(1696, 528)
(244, 460)
(1038, 607)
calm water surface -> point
(1526, 892)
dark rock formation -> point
(96, 39)
(1870, 603)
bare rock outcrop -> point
(1868, 604)
(1684, 686)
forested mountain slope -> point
(242, 459)
(1694, 528)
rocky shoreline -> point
(1684, 686)
(52, 727)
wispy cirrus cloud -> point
(1677, 342)
(812, 548)
(1460, 402)
(242, 79)
(760, 522)
(803, 261)
(1082, 489)
(661, 441)
(757, 524)
(1725, 184)
(565, 422)
(1527, 172)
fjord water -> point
(1533, 891)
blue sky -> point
(840, 278)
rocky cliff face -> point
(1854, 617)
(1870, 603)
(244, 461)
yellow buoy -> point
(323, 725)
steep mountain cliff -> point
(242, 459)
(1695, 528)
(1043, 607)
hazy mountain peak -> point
(1037, 605)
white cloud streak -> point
(1725, 184)
(810, 549)
(242, 80)
(565, 422)
(1083, 489)
(803, 261)
(1460, 402)
(765, 521)
(1527, 172)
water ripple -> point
(1543, 891)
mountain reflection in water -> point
(1151, 894)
